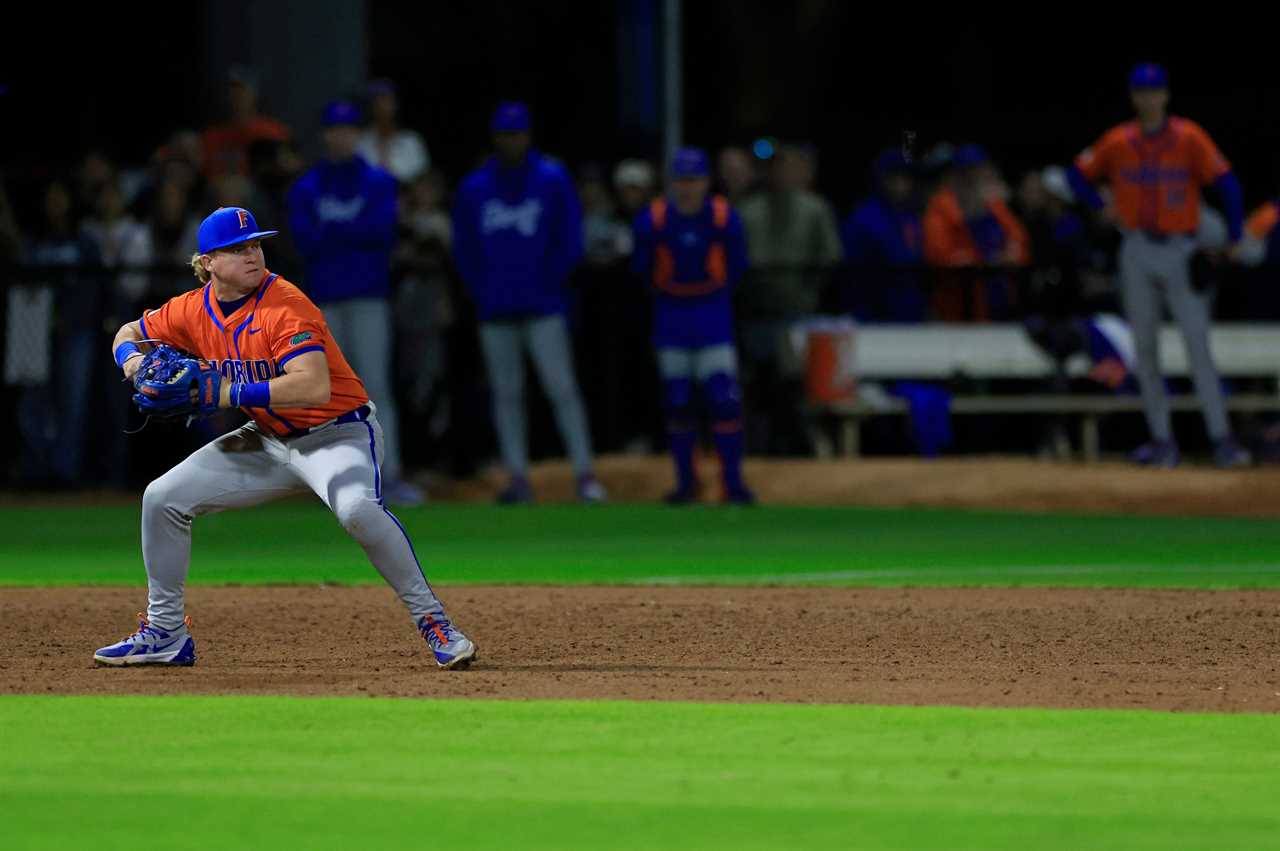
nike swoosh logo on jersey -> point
(254, 330)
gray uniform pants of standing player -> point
(1153, 271)
(363, 330)
(248, 466)
(547, 339)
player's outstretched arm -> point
(305, 384)
(125, 348)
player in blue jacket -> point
(884, 248)
(690, 249)
(342, 216)
(517, 234)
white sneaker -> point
(451, 648)
(151, 645)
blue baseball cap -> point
(340, 113)
(1148, 75)
(227, 226)
(690, 162)
(510, 117)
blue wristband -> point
(126, 350)
(256, 394)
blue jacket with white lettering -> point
(342, 217)
(517, 234)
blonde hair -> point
(198, 269)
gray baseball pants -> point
(547, 339)
(1152, 272)
(364, 331)
(249, 466)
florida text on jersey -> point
(256, 341)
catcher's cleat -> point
(452, 649)
(151, 645)
(739, 496)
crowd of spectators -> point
(941, 235)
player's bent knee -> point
(155, 497)
(164, 493)
(361, 518)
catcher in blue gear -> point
(691, 250)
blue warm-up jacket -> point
(517, 234)
(884, 250)
(342, 217)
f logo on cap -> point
(244, 218)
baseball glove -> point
(1206, 269)
(172, 384)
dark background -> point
(121, 79)
(1034, 91)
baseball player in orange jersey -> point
(1156, 165)
(313, 428)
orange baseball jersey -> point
(274, 325)
(948, 239)
(949, 242)
(1156, 179)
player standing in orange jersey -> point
(1156, 166)
(313, 428)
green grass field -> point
(253, 772)
(302, 543)
(345, 774)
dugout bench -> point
(1004, 351)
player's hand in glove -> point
(1206, 268)
(172, 384)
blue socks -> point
(682, 441)
(728, 440)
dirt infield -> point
(1169, 650)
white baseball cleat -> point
(151, 645)
(451, 648)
